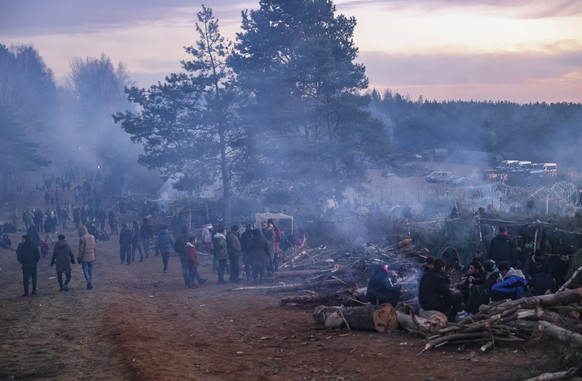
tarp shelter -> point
(283, 221)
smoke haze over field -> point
(298, 148)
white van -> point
(508, 165)
(550, 167)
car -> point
(437, 176)
(462, 181)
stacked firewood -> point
(338, 284)
(339, 274)
(335, 278)
(557, 315)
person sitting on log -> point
(382, 287)
(559, 267)
(429, 264)
(536, 263)
(541, 284)
(512, 286)
(435, 292)
(475, 276)
(481, 294)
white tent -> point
(281, 220)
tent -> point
(283, 221)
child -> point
(44, 247)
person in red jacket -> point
(192, 264)
(278, 234)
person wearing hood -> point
(86, 254)
(221, 252)
(191, 253)
(512, 285)
(28, 255)
(382, 287)
(164, 244)
(63, 257)
(503, 248)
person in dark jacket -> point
(234, 253)
(541, 283)
(63, 257)
(435, 292)
(481, 294)
(475, 276)
(28, 254)
(381, 288)
(244, 242)
(136, 242)
(147, 235)
(258, 255)
(179, 247)
(125, 244)
(559, 267)
(503, 248)
(34, 236)
(164, 244)
(535, 264)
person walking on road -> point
(28, 254)
(86, 254)
(63, 257)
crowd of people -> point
(253, 254)
(491, 276)
(253, 250)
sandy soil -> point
(141, 324)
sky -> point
(488, 50)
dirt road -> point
(141, 324)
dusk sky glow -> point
(515, 50)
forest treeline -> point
(282, 115)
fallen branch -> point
(562, 375)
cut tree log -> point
(564, 297)
(416, 324)
(380, 318)
(295, 273)
(561, 334)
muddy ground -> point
(141, 324)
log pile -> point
(556, 315)
(511, 321)
(338, 275)
(335, 278)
